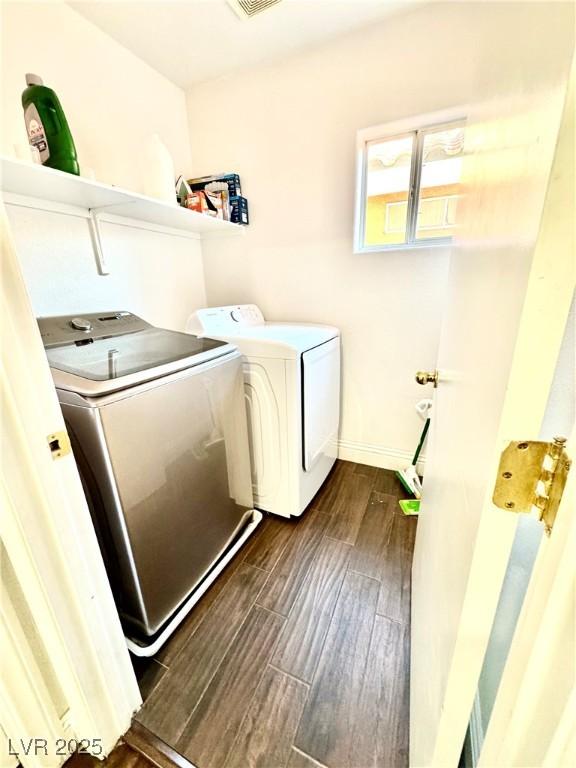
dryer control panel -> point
(224, 320)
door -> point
(62, 644)
(510, 286)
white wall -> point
(289, 130)
(112, 99)
(157, 276)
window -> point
(408, 186)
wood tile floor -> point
(137, 749)
(298, 656)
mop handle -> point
(421, 443)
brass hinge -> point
(59, 444)
(533, 474)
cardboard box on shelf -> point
(239, 210)
(209, 203)
(197, 202)
(231, 179)
(217, 193)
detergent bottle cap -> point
(33, 79)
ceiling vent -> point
(248, 8)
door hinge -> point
(532, 475)
(59, 444)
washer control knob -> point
(81, 324)
(236, 315)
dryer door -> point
(320, 402)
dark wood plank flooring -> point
(139, 748)
(122, 756)
(298, 656)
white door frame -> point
(539, 678)
(47, 531)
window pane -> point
(439, 183)
(387, 184)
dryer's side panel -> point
(321, 402)
(265, 392)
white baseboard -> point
(376, 455)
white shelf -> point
(36, 182)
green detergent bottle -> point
(47, 127)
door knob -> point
(427, 377)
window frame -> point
(418, 128)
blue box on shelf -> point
(239, 210)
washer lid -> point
(281, 340)
(92, 361)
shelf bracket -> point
(94, 225)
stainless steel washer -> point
(158, 430)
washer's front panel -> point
(175, 452)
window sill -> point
(425, 245)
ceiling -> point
(190, 41)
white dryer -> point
(292, 387)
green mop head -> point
(410, 506)
(410, 480)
